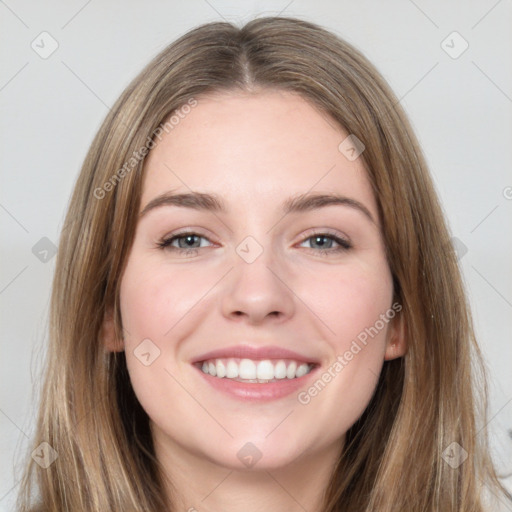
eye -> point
(187, 243)
(323, 242)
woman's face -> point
(259, 279)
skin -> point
(254, 150)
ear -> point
(108, 333)
(396, 344)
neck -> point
(197, 484)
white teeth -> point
(290, 373)
(232, 370)
(247, 369)
(221, 368)
(265, 370)
(255, 371)
(301, 370)
(280, 370)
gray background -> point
(460, 107)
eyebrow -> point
(297, 204)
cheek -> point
(154, 300)
(355, 306)
(351, 300)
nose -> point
(257, 292)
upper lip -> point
(256, 353)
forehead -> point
(254, 149)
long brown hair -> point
(395, 455)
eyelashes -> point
(166, 243)
(191, 237)
(343, 244)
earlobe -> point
(396, 344)
(108, 334)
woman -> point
(314, 351)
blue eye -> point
(319, 239)
(190, 243)
(188, 246)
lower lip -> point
(256, 391)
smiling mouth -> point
(253, 371)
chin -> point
(258, 453)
